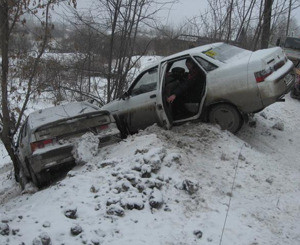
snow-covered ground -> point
(194, 184)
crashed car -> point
(235, 81)
(46, 139)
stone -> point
(46, 224)
(279, 126)
(95, 241)
(93, 189)
(43, 239)
(270, 180)
(198, 233)
(146, 171)
(71, 213)
(189, 187)
(15, 231)
(156, 199)
(115, 210)
(4, 229)
(263, 114)
(76, 230)
(241, 157)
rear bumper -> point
(60, 155)
(54, 157)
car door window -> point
(147, 82)
(208, 66)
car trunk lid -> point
(65, 129)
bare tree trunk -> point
(267, 14)
(289, 18)
(7, 127)
(229, 20)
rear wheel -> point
(21, 178)
(36, 178)
(227, 116)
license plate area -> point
(289, 78)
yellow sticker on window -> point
(211, 53)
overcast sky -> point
(182, 10)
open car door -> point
(141, 106)
(175, 73)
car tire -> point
(227, 116)
(21, 178)
(35, 178)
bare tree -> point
(249, 22)
(118, 24)
(11, 14)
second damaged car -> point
(46, 139)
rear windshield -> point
(293, 43)
(224, 52)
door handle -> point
(152, 96)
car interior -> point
(176, 73)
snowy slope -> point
(194, 184)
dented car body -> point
(46, 139)
(236, 82)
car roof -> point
(52, 114)
(192, 51)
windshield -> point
(292, 43)
(224, 52)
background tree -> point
(267, 14)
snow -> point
(56, 113)
(194, 184)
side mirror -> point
(125, 95)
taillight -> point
(260, 76)
(40, 144)
(102, 127)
